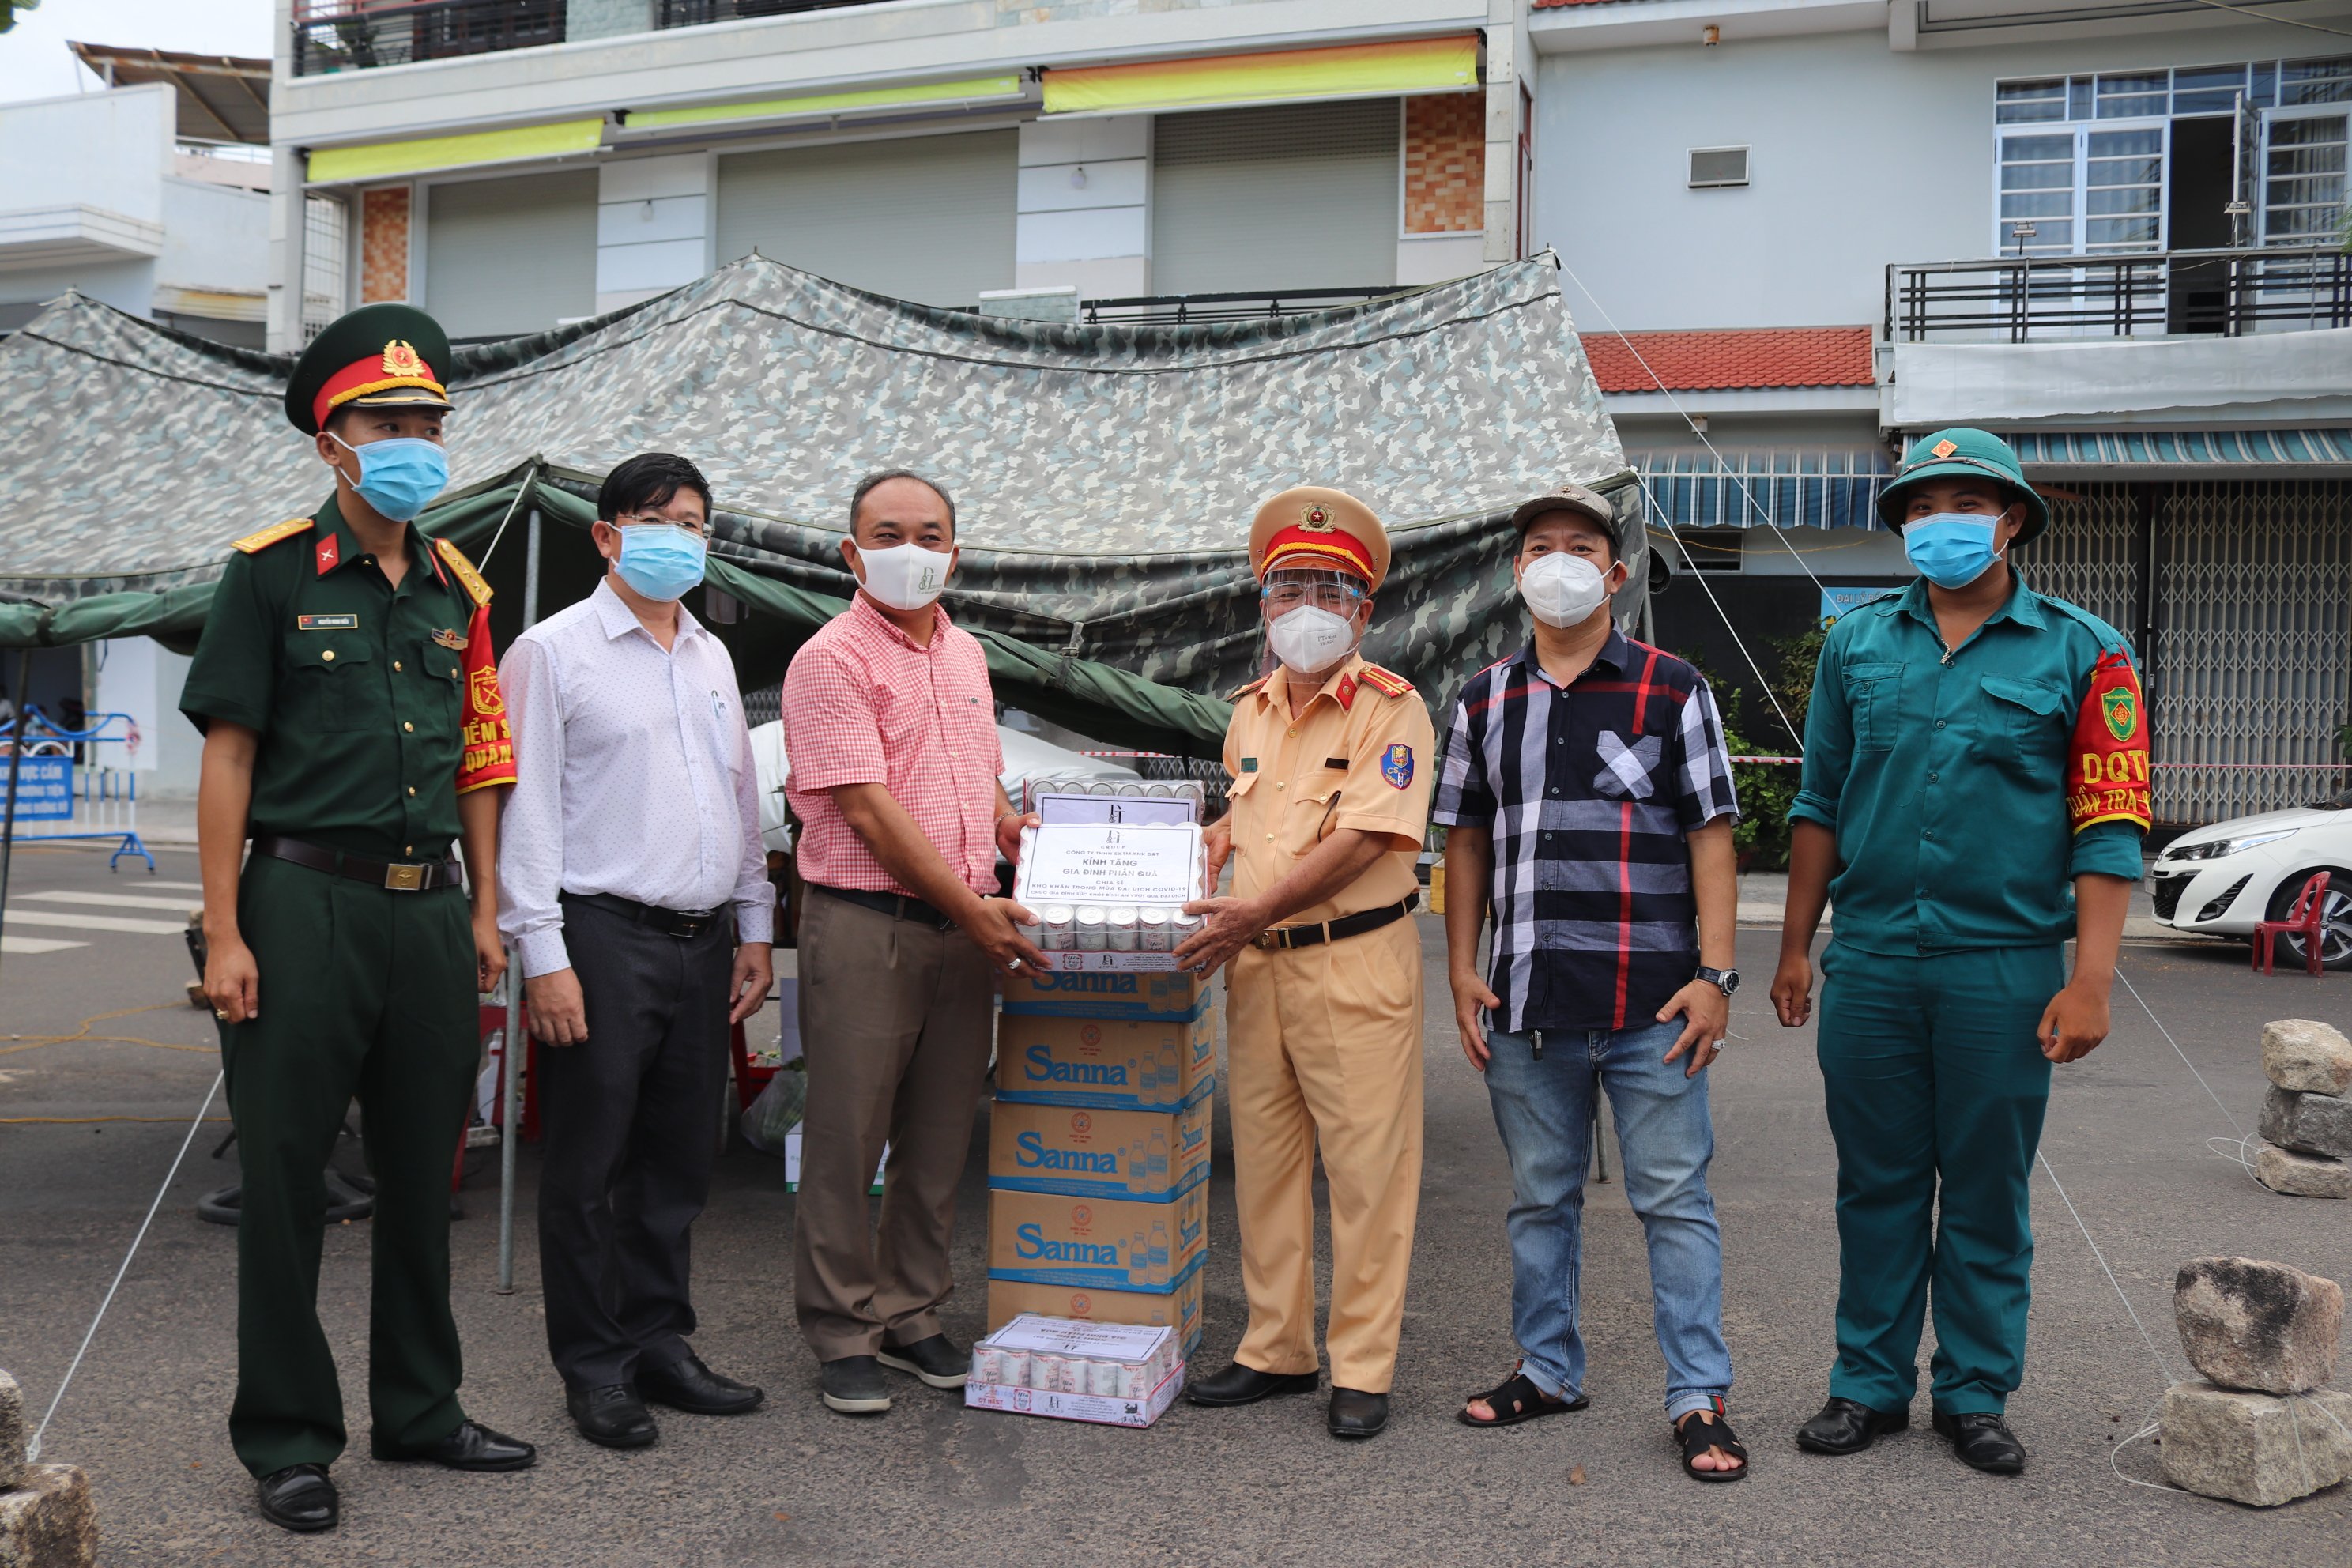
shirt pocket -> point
(1308, 816)
(1873, 695)
(330, 684)
(2025, 727)
(1628, 771)
(442, 673)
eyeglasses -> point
(647, 520)
(1337, 598)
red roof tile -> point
(1732, 359)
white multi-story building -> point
(511, 164)
(2111, 231)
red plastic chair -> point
(2308, 920)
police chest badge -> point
(2121, 711)
(1396, 765)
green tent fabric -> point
(1105, 476)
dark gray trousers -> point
(629, 1142)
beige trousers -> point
(895, 1024)
(1323, 1045)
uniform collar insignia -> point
(329, 550)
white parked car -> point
(1026, 757)
(2222, 878)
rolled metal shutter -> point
(928, 218)
(511, 256)
(1299, 196)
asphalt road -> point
(930, 1483)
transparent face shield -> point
(1311, 615)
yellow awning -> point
(383, 159)
(974, 87)
(1346, 70)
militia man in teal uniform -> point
(353, 732)
(1974, 791)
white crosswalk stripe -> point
(29, 945)
(116, 900)
(23, 917)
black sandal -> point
(1517, 1399)
(1697, 1437)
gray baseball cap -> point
(1589, 504)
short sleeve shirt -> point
(359, 691)
(864, 703)
(1945, 776)
(1358, 756)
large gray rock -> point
(2254, 1449)
(2308, 1058)
(2302, 1175)
(2309, 1123)
(13, 1432)
(2253, 1325)
(50, 1522)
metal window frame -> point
(2079, 213)
(2271, 117)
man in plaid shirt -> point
(1586, 793)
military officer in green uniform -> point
(1974, 791)
(353, 732)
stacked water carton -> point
(1099, 1146)
(2306, 1122)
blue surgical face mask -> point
(1952, 548)
(660, 562)
(399, 476)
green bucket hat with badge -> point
(1963, 453)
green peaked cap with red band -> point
(376, 356)
(1963, 453)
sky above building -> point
(36, 63)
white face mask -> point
(1563, 590)
(905, 576)
(1309, 639)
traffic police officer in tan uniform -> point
(354, 733)
(1330, 762)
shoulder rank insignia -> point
(466, 575)
(1257, 685)
(253, 542)
(1387, 682)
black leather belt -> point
(1332, 930)
(680, 923)
(898, 906)
(397, 876)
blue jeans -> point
(1543, 1108)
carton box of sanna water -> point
(1096, 1244)
(1084, 1152)
(1179, 994)
(1179, 1308)
(1110, 1374)
(1109, 1064)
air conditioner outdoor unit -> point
(1714, 167)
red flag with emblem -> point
(489, 746)
(2107, 779)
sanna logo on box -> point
(1038, 1066)
(1030, 1242)
(1114, 985)
(1031, 1152)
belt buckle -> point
(405, 879)
(1267, 940)
(690, 927)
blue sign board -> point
(44, 788)
(1836, 603)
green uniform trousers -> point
(1936, 1086)
(369, 993)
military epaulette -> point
(465, 570)
(254, 542)
(1387, 682)
(1242, 691)
(2110, 639)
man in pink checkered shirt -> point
(891, 731)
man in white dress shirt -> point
(633, 884)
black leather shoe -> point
(1846, 1427)
(1982, 1441)
(1355, 1414)
(1239, 1384)
(473, 1447)
(935, 1359)
(612, 1416)
(690, 1386)
(299, 1497)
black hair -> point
(646, 482)
(866, 486)
(1607, 530)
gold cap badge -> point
(400, 359)
(1317, 519)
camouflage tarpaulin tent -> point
(1105, 474)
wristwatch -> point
(1724, 980)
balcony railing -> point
(1179, 310)
(2150, 294)
(358, 35)
(697, 13)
